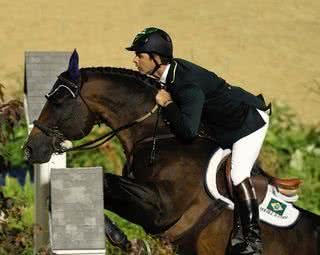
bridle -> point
(75, 89)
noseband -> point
(54, 132)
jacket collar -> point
(163, 78)
(172, 72)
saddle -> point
(287, 188)
(275, 196)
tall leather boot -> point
(236, 236)
(248, 214)
(115, 235)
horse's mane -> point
(117, 71)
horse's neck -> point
(117, 105)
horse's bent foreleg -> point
(138, 203)
(115, 235)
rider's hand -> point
(163, 98)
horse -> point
(162, 186)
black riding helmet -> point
(152, 40)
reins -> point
(53, 132)
(154, 140)
(108, 136)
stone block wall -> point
(77, 213)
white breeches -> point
(245, 152)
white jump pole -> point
(41, 70)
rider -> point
(237, 119)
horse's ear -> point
(73, 68)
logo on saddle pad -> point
(276, 206)
(276, 211)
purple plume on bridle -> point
(73, 68)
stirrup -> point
(236, 236)
(243, 249)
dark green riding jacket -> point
(201, 96)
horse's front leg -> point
(142, 204)
(138, 203)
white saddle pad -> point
(276, 211)
(273, 210)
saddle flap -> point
(219, 170)
(259, 183)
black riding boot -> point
(115, 235)
(246, 212)
(236, 236)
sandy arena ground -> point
(267, 46)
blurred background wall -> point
(267, 46)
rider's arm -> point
(184, 113)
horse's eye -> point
(58, 95)
(57, 98)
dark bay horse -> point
(168, 196)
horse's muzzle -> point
(37, 158)
(38, 148)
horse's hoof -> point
(116, 236)
(139, 247)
